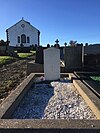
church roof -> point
(25, 22)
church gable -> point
(23, 33)
(22, 23)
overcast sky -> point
(64, 20)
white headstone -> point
(52, 63)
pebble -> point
(59, 100)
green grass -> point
(96, 78)
(33, 51)
(24, 55)
(6, 59)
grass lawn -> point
(96, 78)
(34, 52)
(6, 59)
(24, 55)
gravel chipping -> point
(57, 100)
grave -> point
(39, 55)
(62, 53)
(7, 51)
(47, 125)
(73, 58)
(37, 65)
(52, 63)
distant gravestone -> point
(39, 55)
(52, 63)
(62, 53)
(73, 58)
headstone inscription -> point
(52, 63)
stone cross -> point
(56, 41)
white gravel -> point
(59, 100)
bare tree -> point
(72, 43)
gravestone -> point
(62, 53)
(73, 57)
(3, 50)
(39, 55)
(52, 63)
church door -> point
(23, 38)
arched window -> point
(18, 39)
(23, 38)
(28, 39)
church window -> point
(22, 25)
(18, 39)
(23, 38)
(28, 39)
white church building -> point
(23, 33)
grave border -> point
(10, 125)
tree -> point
(86, 44)
(48, 45)
(72, 43)
(2, 43)
(65, 44)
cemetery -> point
(53, 98)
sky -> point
(65, 20)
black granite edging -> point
(89, 83)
